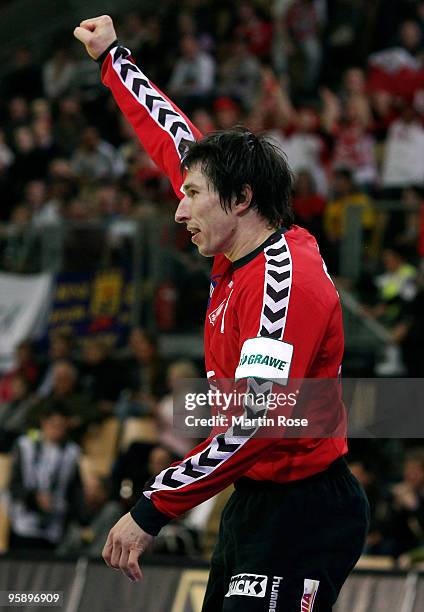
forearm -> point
(162, 128)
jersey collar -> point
(270, 240)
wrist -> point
(106, 52)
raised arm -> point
(162, 128)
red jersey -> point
(278, 299)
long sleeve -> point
(162, 128)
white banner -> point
(24, 308)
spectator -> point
(177, 373)
(59, 73)
(95, 158)
(303, 27)
(344, 193)
(65, 392)
(26, 366)
(308, 205)
(407, 523)
(240, 75)
(145, 382)
(379, 537)
(69, 124)
(396, 289)
(227, 113)
(28, 165)
(343, 38)
(87, 537)
(25, 78)
(60, 348)
(403, 152)
(193, 76)
(43, 211)
(354, 144)
(45, 486)
(303, 145)
(100, 376)
(14, 413)
(411, 333)
(254, 29)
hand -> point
(124, 545)
(44, 501)
(96, 34)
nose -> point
(182, 214)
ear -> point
(245, 199)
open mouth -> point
(194, 231)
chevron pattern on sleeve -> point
(160, 109)
(221, 448)
(278, 279)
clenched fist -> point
(96, 34)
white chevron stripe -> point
(273, 327)
(275, 306)
(213, 454)
(280, 257)
(279, 269)
(274, 283)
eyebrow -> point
(189, 186)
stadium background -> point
(114, 292)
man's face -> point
(55, 428)
(213, 230)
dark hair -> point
(50, 408)
(232, 159)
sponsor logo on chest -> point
(263, 360)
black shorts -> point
(288, 547)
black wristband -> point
(148, 517)
(105, 53)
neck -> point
(250, 238)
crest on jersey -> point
(213, 316)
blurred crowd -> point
(52, 406)
(339, 85)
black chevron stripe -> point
(120, 52)
(257, 385)
(178, 125)
(279, 276)
(169, 481)
(137, 84)
(273, 317)
(276, 334)
(224, 447)
(148, 485)
(150, 99)
(274, 252)
(190, 471)
(254, 414)
(184, 146)
(278, 264)
(163, 113)
(243, 432)
(277, 295)
(205, 460)
(128, 67)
